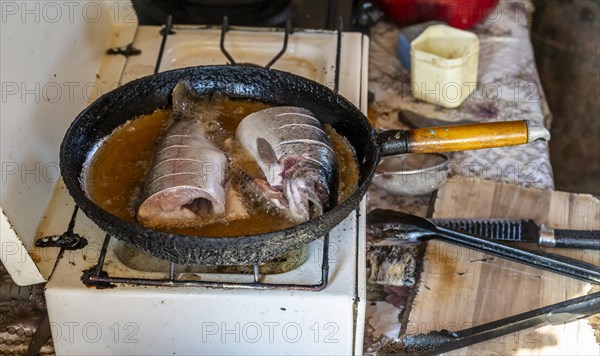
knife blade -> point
(506, 230)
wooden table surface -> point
(461, 288)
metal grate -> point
(96, 277)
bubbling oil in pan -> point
(116, 174)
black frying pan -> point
(145, 95)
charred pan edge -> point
(147, 94)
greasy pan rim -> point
(214, 250)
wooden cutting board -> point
(461, 288)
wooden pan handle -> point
(461, 137)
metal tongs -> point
(394, 223)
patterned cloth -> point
(508, 89)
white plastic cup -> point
(444, 64)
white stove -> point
(142, 319)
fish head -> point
(307, 191)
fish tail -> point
(188, 102)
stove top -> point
(157, 319)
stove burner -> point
(313, 14)
(100, 279)
(210, 12)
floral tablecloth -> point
(508, 89)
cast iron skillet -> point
(145, 95)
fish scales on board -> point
(187, 178)
(296, 156)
